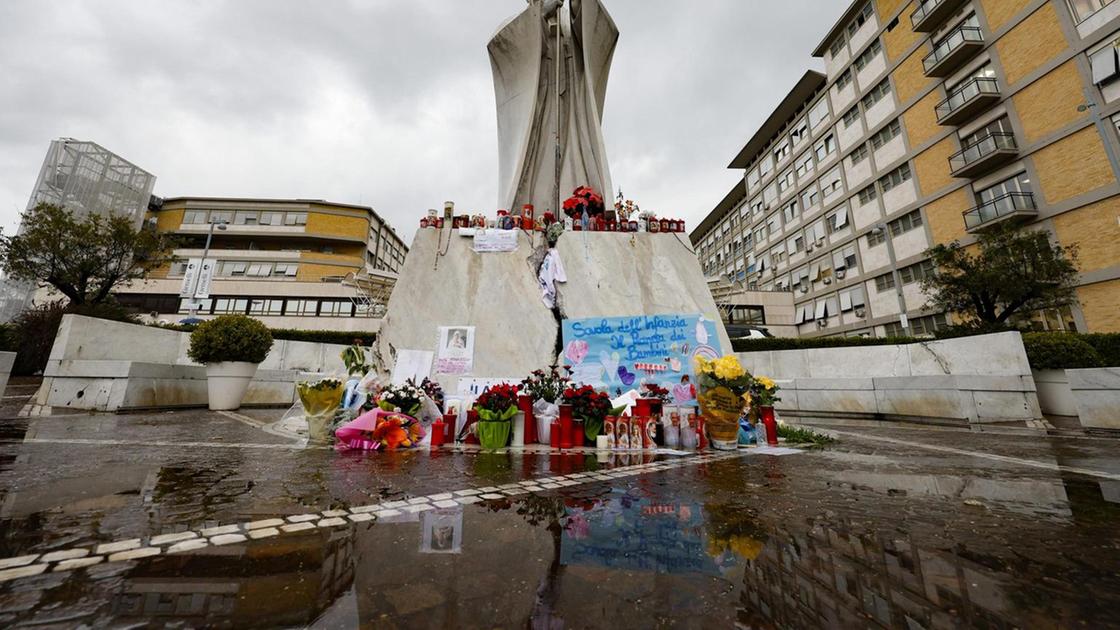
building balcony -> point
(968, 101)
(1012, 206)
(984, 155)
(931, 13)
(958, 47)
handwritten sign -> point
(455, 354)
(489, 241)
(621, 353)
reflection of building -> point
(933, 121)
(291, 263)
(85, 178)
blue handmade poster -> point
(622, 353)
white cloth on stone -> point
(552, 271)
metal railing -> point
(966, 93)
(1001, 206)
(924, 9)
(982, 148)
(960, 36)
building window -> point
(782, 151)
(906, 222)
(800, 131)
(194, 217)
(233, 269)
(1017, 184)
(859, 154)
(884, 282)
(876, 237)
(866, 56)
(785, 181)
(178, 269)
(876, 94)
(790, 211)
(844, 258)
(810, 197)
(746, 315)
(205, 306)
(916, 272)
(819, 113)
(223, 306)
(837, 46)
(895, 178)
(295, 218)
(804, 164)
(266, 307)
(886, 134)
(1051, 319)
(837, 220)
(243, 217)
(795, 244)
(287, 270)
(1084, 9)
(844, 80)
(918, 326)
(852, 299)
(851, 116)
(1000, 127)
(867, 195)
(861, 19)
(271, 218)
(826, 147)
(221, 216)
(831, 183)
(303, 307)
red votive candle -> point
(439, 432)
(525, 404)
(565, 426)
(554, 434)
(451, 420)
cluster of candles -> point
(651, 425)
(528, 221)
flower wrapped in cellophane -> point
(380, 430)
(320, 400)
(725, 388)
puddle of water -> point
(758, 542)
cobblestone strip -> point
(135, 548)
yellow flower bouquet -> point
(725, 392)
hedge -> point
(1045, 350)
(339, 337)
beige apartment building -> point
(292, 263)
(933, 121)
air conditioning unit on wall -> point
(860, 312)
(822, 323)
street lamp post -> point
(903, 319)
(195, 304)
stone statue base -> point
(610, 274)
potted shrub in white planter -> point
(231, 347)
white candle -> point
(601, 443)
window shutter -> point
(821, 309)
(841, 218)
(846, 301)
(815, 272)
(1104, 65)
(858, 297)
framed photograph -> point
(442, 531)
(455, 354)
(457, 405)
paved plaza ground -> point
(192, 518)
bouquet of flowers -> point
(320, 400)
(725, 391)
(431, 389)
(496, 407)
(764, 392)
(591, 405)
(406, 399)
(547, 386)
(584, 200)
(380, 430)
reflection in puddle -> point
(759, 543)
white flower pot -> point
(227, 382)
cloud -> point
(387, 103)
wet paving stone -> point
(867, 533)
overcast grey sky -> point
(387, 103)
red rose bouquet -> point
(584, 200)
(590, 405)
(496, 407)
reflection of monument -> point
(551, 65)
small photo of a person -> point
(443, 538)
(457, 339)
